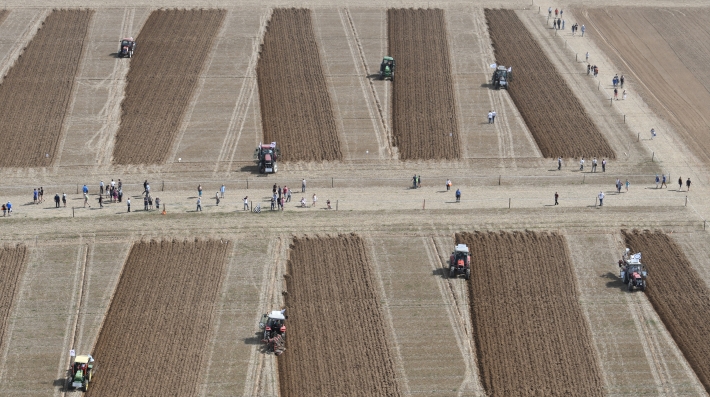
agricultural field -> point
(528, 325)
(153, 338)
(556, 118)
(678, 294)
(296, 108)
(36, 92)
(170, 54)
(12, 262)
(337, 342)
(424, 120)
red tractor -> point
(266, 156)
(460, 262)
(632, 272)
(274, 331)
(128, 45)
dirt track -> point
(680, 297)
(153, 338)
(554, 115)
(424, 120)
(171, 50)
(531, 336)
(37, 90)
(296, 109)
(12, 261)
(337, 342)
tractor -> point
(266, 156)
(460, 262)
(274, 331)
(632, 272)
(128, 45)
(502, 77)
(387, 68)
(81, 372)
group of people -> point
(594, 69)
(575, 28)
(113, 192)
(492, 117)
(581, 164)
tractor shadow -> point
(254, 340)
(614, 282)
(253, 169)
(375, 76)
(61, 383)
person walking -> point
(128, 204)
(448, 185)
(687, 184)
(559, 163)
(246, 203)
(658, 180)
(490, 117)
(35, 196)
(616, 94)
(221, 191)
(4, 210)
(603, 165)
(621, 81)
(493, 112)
(315, 199)
(586, 58)
(145, 203)
(627, 186)
(56, 200)
(64, 199)
(589, 69)
(84, 189)
(556, 12)
(549, 12)
(101, 187)
(303, 186)
(199, 190)
(414, 181)
(618, 186)
(216, 197)
(583, 29)
(601, 198)
(663, 182)
(86, 200)
(594, 164)
(653, 133)
(419, 181)
(199, 205)
(458, 195)
(157, 203)
(680, 184)
(557, 196)
(9, 208)
(288, 196)
(581, 164)
(101, 201)
(623, 96)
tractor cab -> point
(502, 77)
(128, 45)
(273, 324)
(81, 372)
(387, 68)
(460, 261)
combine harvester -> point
(80, 373)
(274, 327)
(128, 45)
(266, 156)
(632, 272)
(460, 262)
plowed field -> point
(424, 121)
(153, 339)
(337, 343)
(554, 115)
(531, 336)
(170, 52)
(296, 109)
(12, 261)
(37, 90)
(680, 297)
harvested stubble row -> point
(296, 109)
(153, 339)
(12, 263)
(424, 123)
(337, 343)
(171, 50)
(531, 336)
(36, 92)
(678, 294)
(556, 118)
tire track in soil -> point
(530, 332)
(337, 342)
(171, 51)
(424, 120)
(680, 297)
(12, 266)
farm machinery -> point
(632, 272)
(128, 45)
(274, 331)
(460, 262)
(80, 373)
(387, 68)
(502, 77)
(266, 156)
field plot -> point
(337, 342)
(36, 91)
(296, 109)
(424, 123)
(170, 53)
(679, 295)
(154, 335)
(531, 335)
(12, 261)
(554, 115)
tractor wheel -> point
(452, 272)
(468, 274)
(262, 169)
(642, 287)
(276, 167)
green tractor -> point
(81, 372)
(387, 68)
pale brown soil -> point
(296, 109)
(154, 336)
(12, 261)
(37, 90)
(337, 341)
(424, 122)
(3, 14)
(170, 53)
(531, 335)
(556, 119)
(678, 294)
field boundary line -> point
(9, 60)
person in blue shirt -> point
(458, 195)
(85, 189)
(9, 208)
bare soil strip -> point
(424, 121)
(554, 115)
(153, 339)
(681, 298)
(36, 91)
(170, 53)
(296, 108)
(12, 262)
(337, 342)
(3, 15)
(530, 333)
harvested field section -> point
(36, 91)
(556, 118)
(296, 109)
(12, 261)
(681, 298)
(170, 52)
(161, 312)
(530, 333)
(337, 342)
(424, 121)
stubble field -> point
(36, 92)
(12, 261)
(153, 338)
(337, 340)
(171, 50)
(528, 325)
